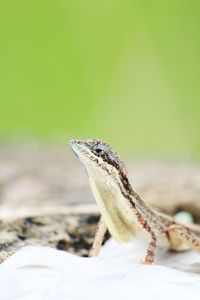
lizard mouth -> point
(72, 144)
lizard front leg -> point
(98, 240)
(183, 234)
(149, 258)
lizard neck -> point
(135, 200)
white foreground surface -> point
(38, 273)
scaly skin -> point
(123, 212)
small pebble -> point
(184, 217)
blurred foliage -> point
(124, 71)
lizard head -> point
(98, 157)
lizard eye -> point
(98, 151)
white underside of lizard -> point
(116, 214)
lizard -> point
(123, 211)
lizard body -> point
(123, 212)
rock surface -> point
(71, 233)
(45, 273)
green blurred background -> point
(124, 71)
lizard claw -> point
(146, 262)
